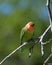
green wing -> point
(22, 35)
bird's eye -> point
(32, 25)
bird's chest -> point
(27, 36)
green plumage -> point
(25, 36)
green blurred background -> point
(14, 14)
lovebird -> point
(27, 33)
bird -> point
(27, 33)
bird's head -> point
(29, 26)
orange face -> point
(29, 27)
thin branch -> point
(41, 39)
(25, 43)
(47, 41)
(13, 52)
(49, 13)
(47, 59)
(42, 36)
(50, 18)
